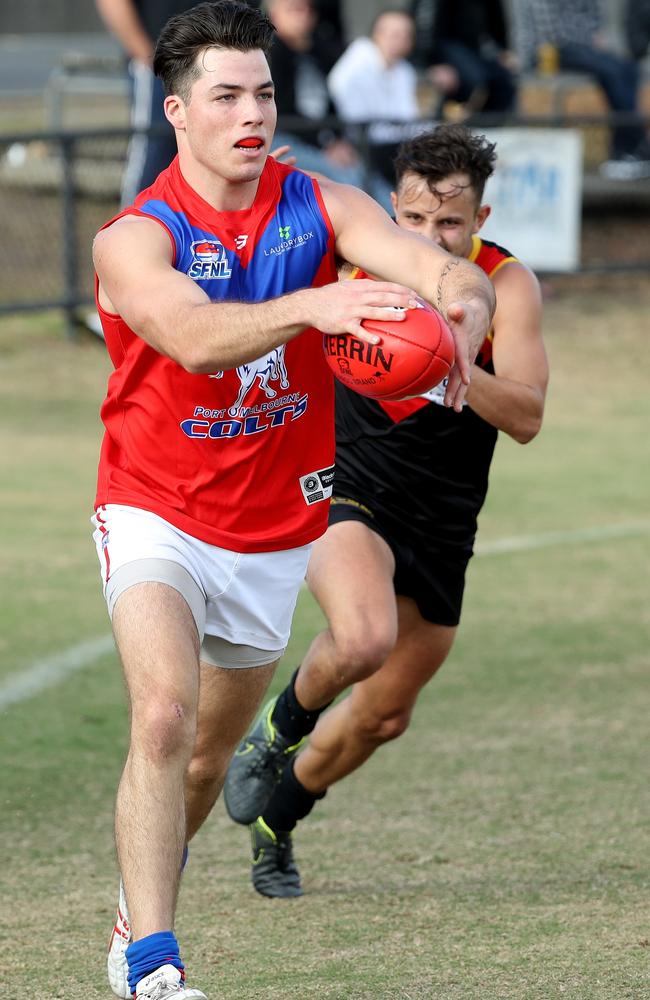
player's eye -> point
(266, 96)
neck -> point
(222, 194)
(387, 61)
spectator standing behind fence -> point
(136, 24)
(574, 31)
(374, 81)
(464, 46)
(300, 62)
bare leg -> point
(351, 576)
(228, 702)
(378, 708)
(158, 643)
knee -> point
(207, 770)
(381, 726)
(163, 729)
(361, 653)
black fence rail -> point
(58, 188)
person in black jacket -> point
(301, 58)
(469, 39)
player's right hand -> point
(341, 307)
(469, 323)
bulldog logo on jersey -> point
(209, 260)
(269, 368)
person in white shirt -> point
(373, 80)
(373, 83)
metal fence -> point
(58, 188)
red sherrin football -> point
(415, 354)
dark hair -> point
(447, 149)
(226, 24)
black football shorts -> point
(432, 575)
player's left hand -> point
(470, 323)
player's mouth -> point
(252, 142)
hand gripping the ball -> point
(411, 358)
(348, 306)
(469, 323)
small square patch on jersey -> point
(317, 486)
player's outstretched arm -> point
(513, 398)
(133, 260)
(366, 235)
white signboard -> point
(536, 196)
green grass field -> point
(498, 851)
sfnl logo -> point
(209, 260)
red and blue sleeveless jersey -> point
(242, 458)
(421, 466)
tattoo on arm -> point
(466, 286)
(449, 266)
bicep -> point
(366, 235)
(133, 260)
(518, 348)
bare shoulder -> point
(346, 204)
(514, 280)
(129, 255)
(129, 234)
(366, 234)
(517, 321)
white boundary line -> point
(32, 681)
(28, 683)
(524, 543)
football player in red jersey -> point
(411, 478)
(213, 290)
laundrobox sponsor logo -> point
(288, 242)
(209, 260)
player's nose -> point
(251, 110)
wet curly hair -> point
(447, 149)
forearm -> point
(219, 336)
(461, 281)
(512, 407)
(121, 19)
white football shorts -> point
(242, 602)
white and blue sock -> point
(149, 953)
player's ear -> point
(175, 111)
(393, 201)
(481, 216)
